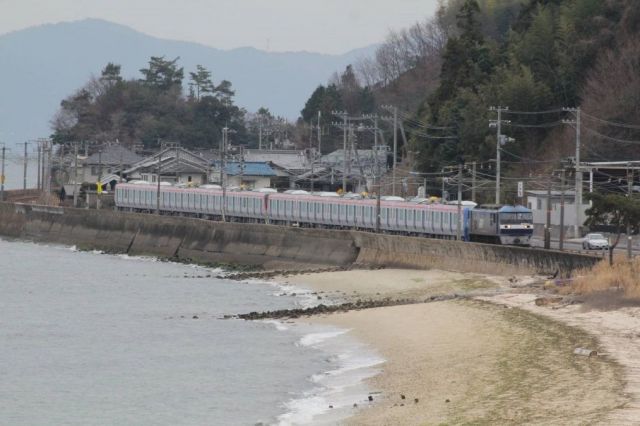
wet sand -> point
(470, 361)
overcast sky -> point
(327, 26)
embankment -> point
(266, 245)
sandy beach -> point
(477, 361)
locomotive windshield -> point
(516, 217)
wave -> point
(338, 389)
(314, 339)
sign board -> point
(520, 189)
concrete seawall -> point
(266, 245)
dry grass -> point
(623, 276)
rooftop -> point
(114, 155)
(251, 168)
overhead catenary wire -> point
(541, 126)
(611, 138)
(611, 123)
(550, 111)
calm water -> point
(88, 339)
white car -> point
(595, 241)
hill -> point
(43, 65)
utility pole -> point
(99, 183)
(547, 228)
(442, 197)
(241, 147)
(159, 170)
(459, 221)
(344, 153)
(24, 181)
(75, 174)
(319, 134)
(562, 187)
(260, 132)
(42, 144)
(630, 194)
(49, 163)
(500, 139)
(345, 121)
(473, 181)
(578, 165)
(225, 135)
(395, 149)
(39, 159)
(2, 177)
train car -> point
(501, 224)
(395, 216)
(493, 224)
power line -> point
(612, 123)
(543, 125)
(611, 138)
(550, 111)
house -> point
(175, 165)
(362, 165)
(109, 160)
(249, 175)
(537, 202)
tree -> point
(325, 100)
(201, 81)
(111, 74)
(619, 211)
(132, 111)
(162, 75)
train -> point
(497, 224)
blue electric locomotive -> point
(500, 224)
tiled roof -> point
(250, 169)
(114, 155)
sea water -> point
(95, 339)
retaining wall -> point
(267, 245)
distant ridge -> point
(41, 65)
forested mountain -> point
(43, 65)
(534, 56)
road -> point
(575, 245)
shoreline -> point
(477, 360)
(493, 336)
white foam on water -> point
(314, 339)
(279, 325)
(305, 298)
(336, 390)
(137, 258)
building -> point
(362, 166)
(110, 160)
(537, 202)
(288, 164)
(174, 165)
(249, 175)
